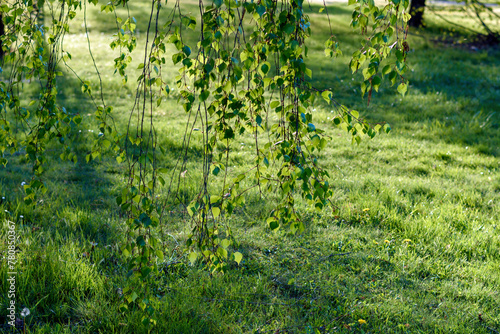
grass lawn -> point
(415, 247)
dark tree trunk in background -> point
(417, 12)
(2, 32)
(38, 12)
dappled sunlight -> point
(410, 242)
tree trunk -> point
(417, 12)
(38, 12)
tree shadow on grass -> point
(77, 211)
(357, 285)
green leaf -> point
(215, 211)
(222, 252)
(258, 120)
(402, 88)
(274, 104)
(177, 57)
(228, 133)
(376, 81)
(386, 70)
(316, 140)
(368, 72)
(323, 143)
(162, 170)
(327, 95)
(393, 76)
(145, 271)
(308, 72)
(125, 251)
(289, 28)
(192, 208)
(77, 119)
(273, 224)
(265, 68)
(192, 257)
(237, 257)
(261, 10)
(225, 243)
(140, 241)
(204, 95)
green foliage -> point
(444, 133)
(248, 65)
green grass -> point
(414, 249)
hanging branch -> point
(247, 75)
